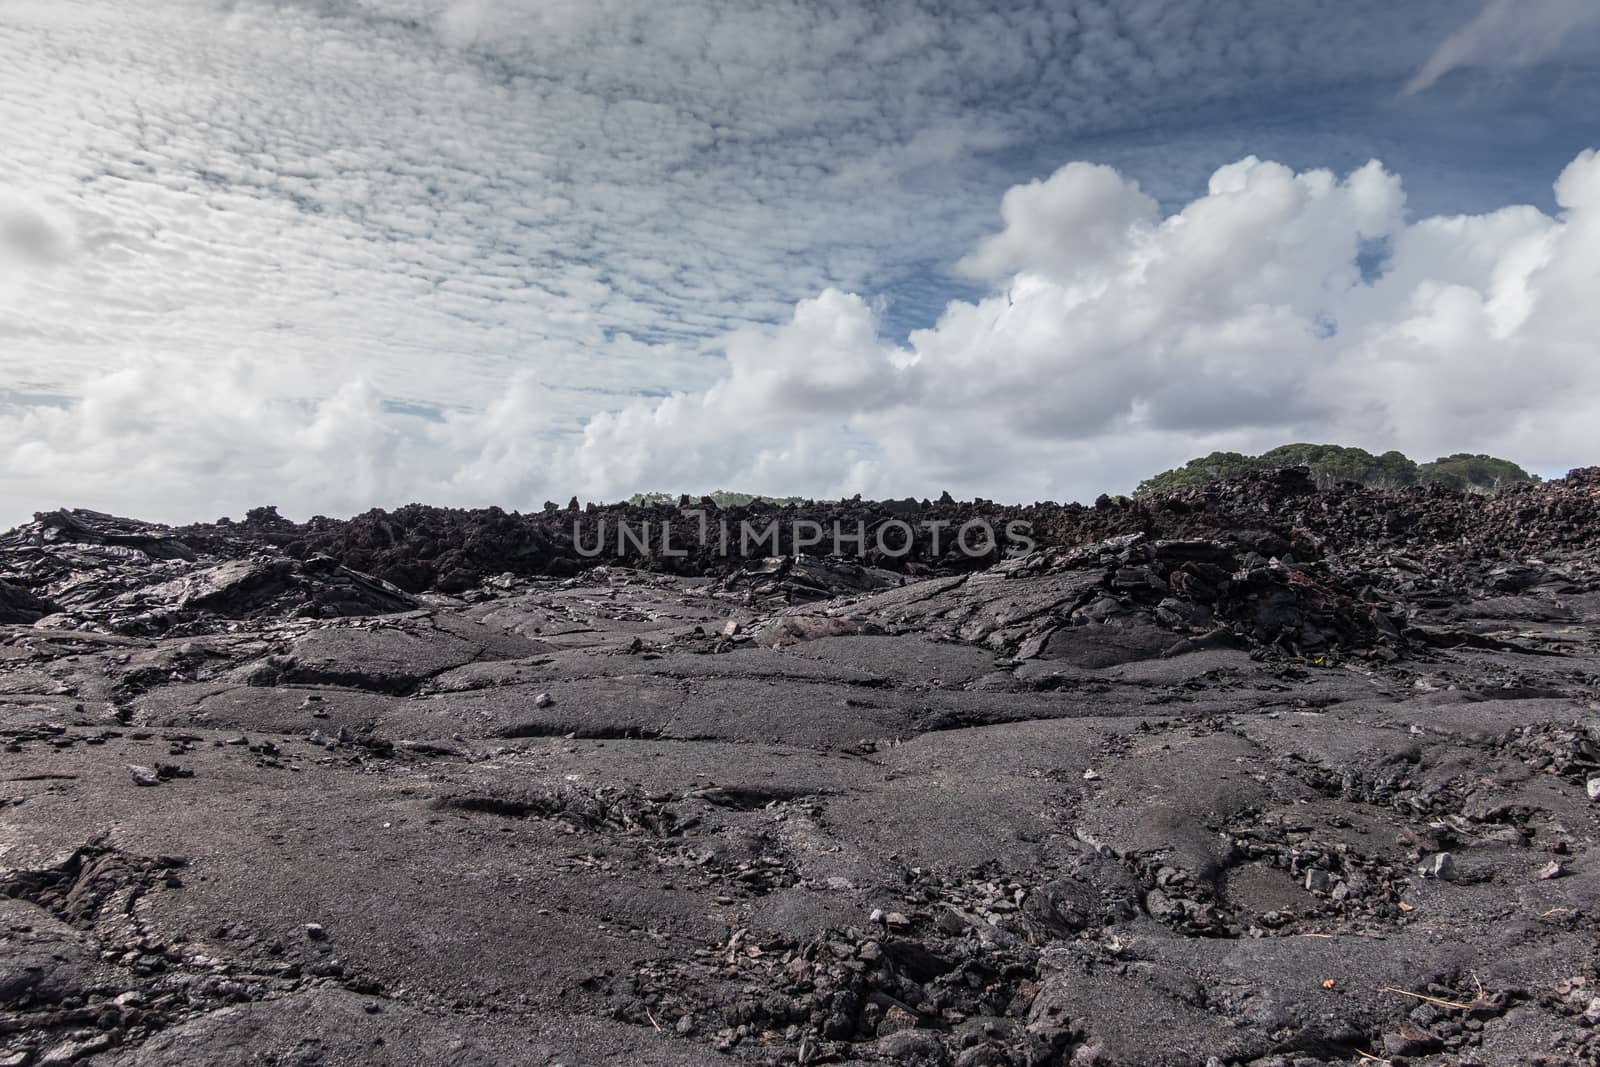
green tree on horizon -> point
(1333, 464)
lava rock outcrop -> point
(1251, 775)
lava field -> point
(1249, 774)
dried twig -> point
(1430, 1000)
(652, 1019)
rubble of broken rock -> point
(1247, 774)
(81, 569)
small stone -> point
(894, 918)
(1553, 869)
(1159, 905)
(1091, 775)
(543, 700)
(731, 629)
(1594, 788)
(142, 775)
(1092, 1054)
(685, 1025)
(1442, 867)
(1318, 881)
(76, 1050)
(984, 1055)
(920, 1046)
(315, 932)
(1410, 1040)
(896, 1019)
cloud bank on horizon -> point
(334, 256)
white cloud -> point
(1065, 226)
(432, 195)
(336, 254)
(31, 235)
(35, 238)
(1507, 33)
(1240, 321)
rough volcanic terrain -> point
(1252, 774)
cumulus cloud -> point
(1065, 225)
(1241, 320)
(1507, 33)
(158, 437)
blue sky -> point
(348, 253)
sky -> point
(336, 254)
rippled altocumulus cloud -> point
(347, 253)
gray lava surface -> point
(1188, 797)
